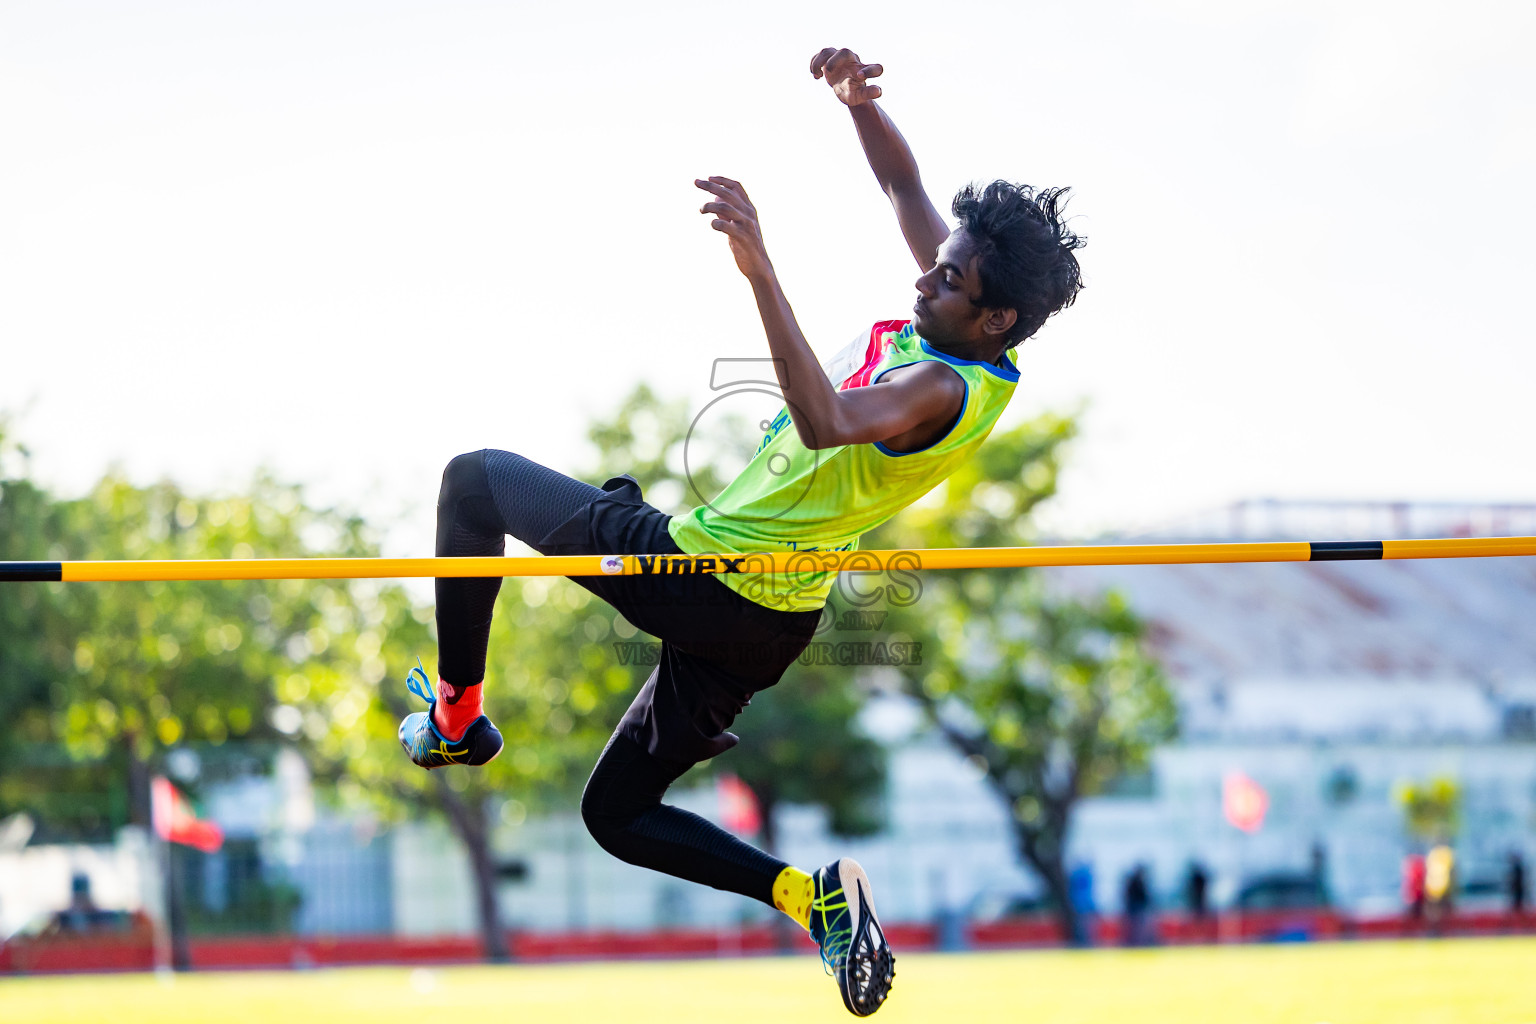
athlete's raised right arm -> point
(888, 154)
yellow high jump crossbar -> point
(774, 562)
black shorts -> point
(717, 647)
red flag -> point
(739, 811)
(176, 822)
(1244, 801)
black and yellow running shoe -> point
(853, 947)
(428, 748)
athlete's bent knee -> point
(463, 476)
(604, 825)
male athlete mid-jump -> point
(889, 420)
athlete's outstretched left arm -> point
(926, 395)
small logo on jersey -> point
(613, 565)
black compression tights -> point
(485, 496)
(623, 810)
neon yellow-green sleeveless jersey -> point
(791, 498)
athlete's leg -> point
(623, 810)
(680, 717)
(487, 495)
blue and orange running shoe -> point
(427, 747)
(853, 947)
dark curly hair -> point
(1025, 248)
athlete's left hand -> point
(736, 217)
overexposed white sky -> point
(349, 240)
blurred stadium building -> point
(1332, 685)
(1328, 684)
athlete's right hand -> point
(846, 74)
(736, 218)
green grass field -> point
(1490, 981)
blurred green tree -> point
(151, 666)
(35, 648)
(103, 682)
(115, 675)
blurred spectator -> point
(1413, 886)
(81, 914)
(1196, 887)
(1138, 901)
(1080, 891)
(1439, 883)
(82, 917)
(1516, 883)
(1320, 874)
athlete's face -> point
(948, 312)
